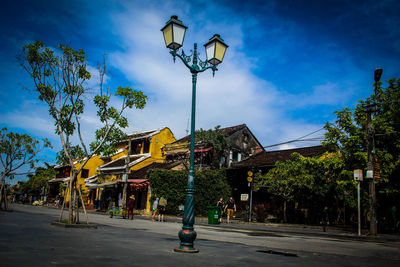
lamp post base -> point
(187, 236)
(186, 250)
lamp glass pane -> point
(179, 34)
(220, 51)
(168, 35)
(210, 49)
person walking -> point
(230, 208)
(220, 205)
(161, 209)
(131, 205)
(155, 209)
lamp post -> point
(174, 34)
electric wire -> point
(300, 139)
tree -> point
(348, 134)
(38, 182)
(76, 153)
(60, 81)
(319, 179)
(286, 179)
(17, 150)
(216, 138)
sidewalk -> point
(268, 229)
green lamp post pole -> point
(174, 33)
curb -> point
(79, 225)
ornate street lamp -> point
(174, 34)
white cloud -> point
(329, 94)
(234, 96)
(33, 116)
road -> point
(27, 238)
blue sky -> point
(289, 64)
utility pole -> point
(125, 178)
(370, 169)
(371, 107)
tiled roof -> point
(268, 158)
(228, 131)
(119, 165)
(142, 134)
(142, 173)
(120, 162)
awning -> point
(119, 164)
(135, 181)
(188, 152)
(57, 180)
(91, 179)
(106, 184)
(203, 149)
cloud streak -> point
(234, 96)
(287, 68)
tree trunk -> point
(83, 205)
(72, 198)
(284, 211)
(63, 204)
(344, 213)
(3, 197)
(76, 200)
(124, 195)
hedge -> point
(210, 185)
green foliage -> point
(287, 178)
(76, 153)
(348, 134)
(170, 185)
(215, 138)
(314, 179)
(38, 181)
(17, 150)
(60, 78)
(210, 186)
(106, 140)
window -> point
(85, 173)
(236, 156)
(146, 146)
(136, 146)
(223, 160)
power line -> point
(300, 139)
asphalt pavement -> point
(28, 239)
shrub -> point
(210, 185)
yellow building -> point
(105, 176)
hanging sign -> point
(244, 197)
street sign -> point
(250, 173)
(358, 175)
(249, 179)
(244, 197)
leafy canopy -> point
(348, 134)
(60, 77)
(38, 181)
(17, 150)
